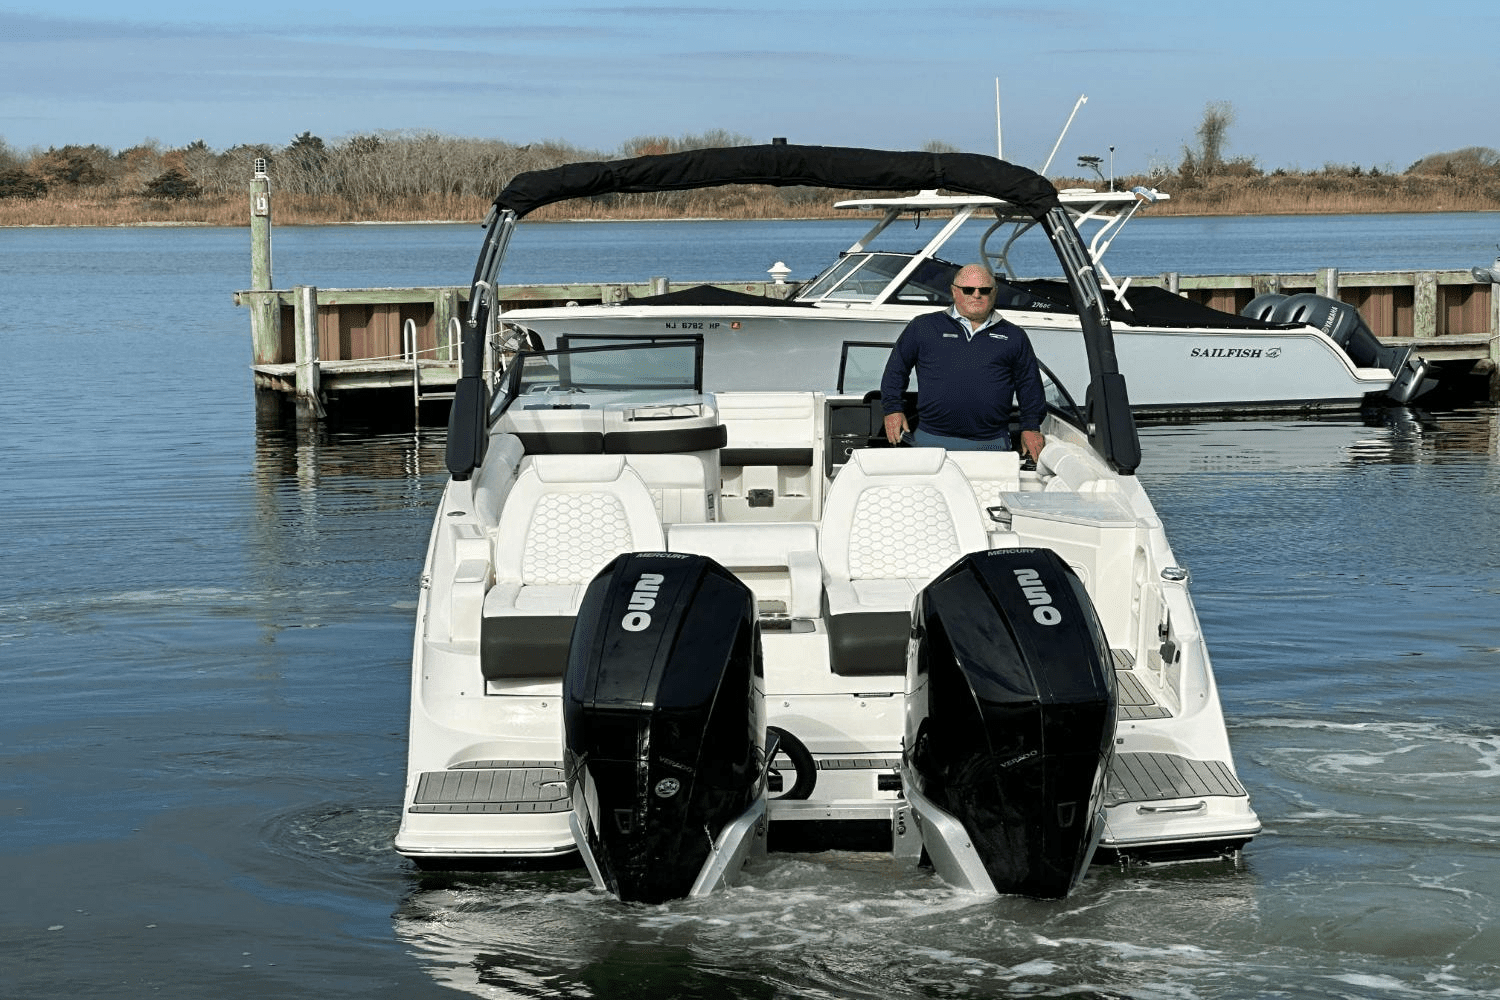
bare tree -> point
(1213, 136)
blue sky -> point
(1375, 83)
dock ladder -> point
(409, 351)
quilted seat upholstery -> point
(990, 474)
(894, 519)
(565, 518)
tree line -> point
(373, 176)
(1208, 159)
(374, 165)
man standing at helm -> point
(969, 364)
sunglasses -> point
(972, 290)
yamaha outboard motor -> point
(1263, 306)
(1010, 723)
(664, 726)
(1346, 328)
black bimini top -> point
(778, 164)
(781, 164)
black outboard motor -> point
(1344, 325)
(1263, 306)
(664, 726)
(1010, 723)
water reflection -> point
(1389, 435)
(377, 439)
(1468, 430)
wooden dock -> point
(319, 345)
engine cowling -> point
(1010, 722)
(664, 723)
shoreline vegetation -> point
(399, 177)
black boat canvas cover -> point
(713, 295)
(780, 164)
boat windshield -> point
(592, 370)
(864, 277)
(861, 365)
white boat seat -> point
(751, 551)
(566, 517)
(894, 519)
(544, 430)
(768, 461)
(683, 487)
(990, 473)
(492, 482)
(768, 428)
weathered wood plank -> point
(1424, 308)
(307, 342)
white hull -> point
(475, 742)
(1167, 369)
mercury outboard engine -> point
(1010, 723)
(664, 726)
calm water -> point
(396, 256)
(205, 628)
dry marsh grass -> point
(1332, 193)
(1289, 194)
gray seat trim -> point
(512, 646)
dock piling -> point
(265, 310)
(1328, 282)
(306, 339)
(1424, 305)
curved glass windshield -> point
(858, 278)
(829, 279)
(865, 277)
(589, 371)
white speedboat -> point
(1284, 353)
(682, 605)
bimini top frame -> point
(1109, 211)
(1111, 426)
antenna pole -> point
(1082, 100)
(999, 135)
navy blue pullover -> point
(964, 386)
